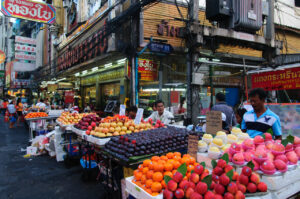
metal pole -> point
(160, 77)
(211, 73)
(270, 31)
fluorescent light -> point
(84, 72)
(121, 61)
(94, 69)
(164, 89)
(107, 65)
(77, 74)
(60, 79)
(216, 60)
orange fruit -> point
(151, 165)
(176, 157)
(161, 162)
(140, 167)
(157, 177)
(177, 154)
(163, 183)
(174, 171)
(156, 187)
(185, 178)
(154, 193)
(146, 163)
(168, 167)
(164, 157)
(138, 176)
(149, 191)
(190, 168)
(185, 160)
(170, 155)
(192, 160)
(143, 179)
(149, 183)
(176, 164)
(188, 174)
(145, 170)
(138, 183)
(196, 164)
(186, 155)
(171, 161)
(155, 158)
(158, 167)
(149, 174)
(168, 173)
(135, 172)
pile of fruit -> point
(88, 122)
(155, 141)
(36, 115)
(67, 118)
(150, 175)
(268, 155)
(222, 183)
(121, 125)
(218, 144)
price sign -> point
(213, 122)
(193, 145)
(139, 116)
(122, 109)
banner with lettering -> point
(277, 80)
(30, 10)
(148, 69)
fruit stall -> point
(151, 160)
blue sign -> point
(160, 48)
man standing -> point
(224, 108)
(260, 119)
(161, 114)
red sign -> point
(25, 40)
(25, 48)
(25, 56)
(148, 69)
(277, 80)
(69, 97)
(175, 95)
(24, 9)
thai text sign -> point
(25, 40)
(25, 56)
(25, 48)
(277, 80)
(24, 9)
(148, 69)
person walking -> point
(19, 111)
(12, 113)
(224, 108)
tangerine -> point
(185, 160)
(146, 163)
(186, 155)
(140, 167)
(158, 167)
(154, 193)
(174, 171)
(155, 158)
(149, 191)
(168, 167)
(176, 164)
(138, 176)
(192, 160)
(176, 157)
(190, 168)
(163, 183)
(151, 165)
(177, 154)
(156, 187)
(157, 177)
(149, 183)
(143, 179)
(168, 173)
(149, 174)
(170, 155)
(145, 170)
(163, 157)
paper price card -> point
(139, 116)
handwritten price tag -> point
(139, 116)
(122, 109)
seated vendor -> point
(260, 120)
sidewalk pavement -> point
(37, 177)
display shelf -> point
(138, 192)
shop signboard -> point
(213, 122)
(25, 48)
(30, 10)
(22, 66)
(175, 95)
(148, 69)
(24, 56)
(8, 74)
(2, 56)
(277, 80)
(69, 97)
(160, 48)
(25, 40)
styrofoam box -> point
(138, 192)
(97, 141)
(278, 182)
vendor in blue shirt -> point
(260, 120)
